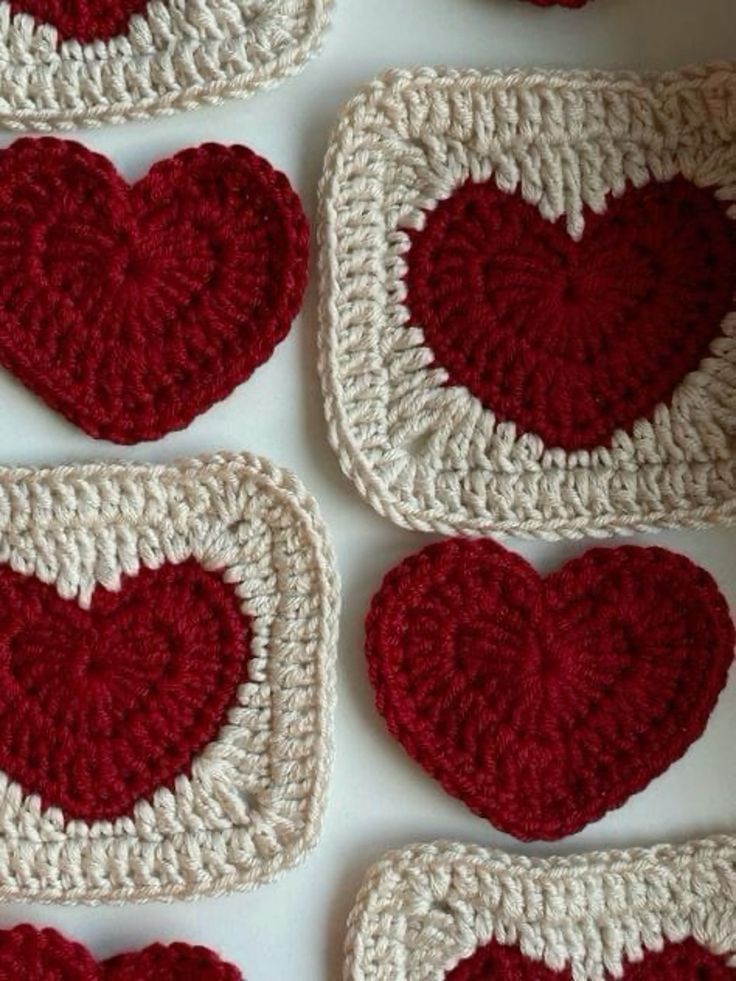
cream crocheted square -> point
(424, 910)
(424, 447)
(177, 54)
(249, 803)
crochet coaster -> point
(459, 912)
(45, 955)
(544, 703)
(167, 640)
(84, 64)
(133, 309)
(527, 310)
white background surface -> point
(294, 929)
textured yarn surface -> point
(99, 707)
(167, 642)
(527, 299)
(464, 913)
(132, 309)
(69, 63)
(82, 20)
(28, 954)
(544, 703)
(685, 961)
(572, 340)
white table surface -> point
(293, 930)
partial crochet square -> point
(86, 64)
(527, 300)
(167, 678)
(463, 913)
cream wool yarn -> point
(177, 55)
(424, 909)
(252, 805)
(428, 455)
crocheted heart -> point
(572, 340)
(80, 19)
(133, 309)
(100, 707)
(686, 961)
(543, 703)
(45, 955)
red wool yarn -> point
(100, 707)
(45, 955)
(544, 703)
(572, 340)
(686, 961)
(133, 309)
(82, 20)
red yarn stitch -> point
(80, 19)
(177, 962)
(28, 954)
(572, 340)
(686, 961)
(99, 708)
(542, 704)
(133, 309)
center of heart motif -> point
(572, 340)
(100, 707)
(686, 961)
(544, 703)
(82, 20)
(133, 309)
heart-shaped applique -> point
(572, 340)
(133, 309)
(544, 703)
(100, 707)
(81, 20)
(686, 961)
(45, 955)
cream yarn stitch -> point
(254, 802)
(177, 55)
(424, 909)
(430, 456)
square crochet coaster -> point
(167, 641)
(527, 309)
(85, 64)
(464, 913)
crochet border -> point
(424, 909)
(253, 804)
(429, 456)
(178, 55)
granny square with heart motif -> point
(167, 641)
(527, 312)
(464, 913)
(65, 65)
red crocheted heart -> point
(572, 340)
(80, 19)
(45, 955)
(100, 707)
(543, 703)
(133, 309)
(686, 961)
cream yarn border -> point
(253, 805)
(177, 55)
(424, 909)
(430, 456)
